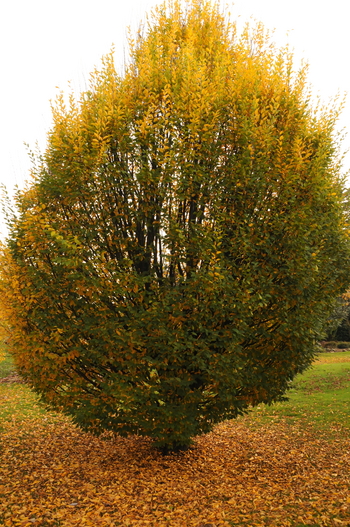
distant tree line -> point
(338, 324)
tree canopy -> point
(184, 235)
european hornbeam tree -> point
(184, 235)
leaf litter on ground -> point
(52, 474)
(247, 472)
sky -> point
(46, 44)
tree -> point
(184, 236)
(337, 325)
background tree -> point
(184, 236)
(337, 325)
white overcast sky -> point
(46, 43)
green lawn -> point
(320, 396)
(17, 401)
(6, 363)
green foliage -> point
(335, 344)
(343, 345)
(338, 325)
(184, 236)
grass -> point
(17, 401)
(320, 396)
(6, 363)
